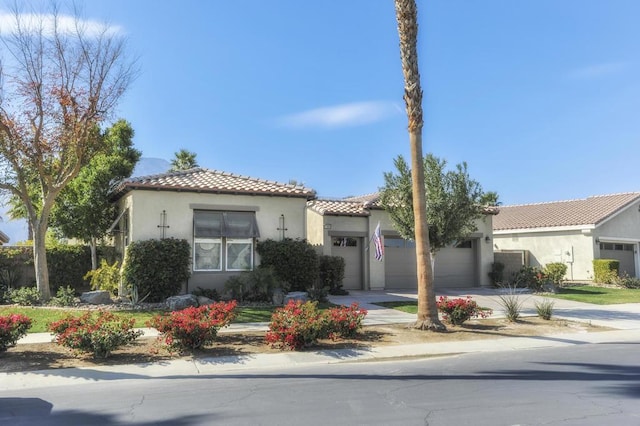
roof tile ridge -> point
(615, 194)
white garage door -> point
(455, 266)
(350, 249)
(621, 252)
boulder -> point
(202, 300)
(97, 297)
(549, 287)
(278, 297)
(176, 303)
(301, 296)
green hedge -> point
(331, 273)
(605, 271)
(295, 262)
(157, 268)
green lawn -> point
(408, 307)
(598, 295)
(43, 316)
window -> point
(464, 244)
(344, 242)
(213, 230)
(395, 242)
(617, 247)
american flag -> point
(377, 242)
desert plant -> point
(627, 281)
(65, 296)
(318, 293)
(511, 303)
(12, 328)
(457, 311)
(544, 308)
(193, 328)
(24, 296)
(106, 277)
(98, 333)
(555, 272)
(252, 286)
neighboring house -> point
(573, 232)
(4, 238)
(345, 227)
(222, 215)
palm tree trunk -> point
(407, 17)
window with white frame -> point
(223, 240)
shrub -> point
(252, 286)
(529, 277)
(318, 293)
(106, 277)
(345, 321)
(157, 268)
(65, 296)
(24, 296)
(11, 263)
(192, 328)
(206, 292)
(298, 325)
(67, 265)
(511, 303)
(627, 281)
(497, 273)
(544, 308)
(555, 272)
(12, 328)
(605, 271)
(457, 311)
(331, 273)
(98, 333)
(294, 262)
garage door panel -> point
(351, 252)
(625, 257)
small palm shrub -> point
(13, 327)
(192, 328)
(97, 333)
(457, 311)
(544, 308)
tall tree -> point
(454, 202)
(62, 78)
(83, 209)
(407, 18)
(183, 160)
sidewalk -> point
(625, 318)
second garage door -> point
(455, 266)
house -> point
(222, 215)
(573, 232)
(4, 238)
(344, 228)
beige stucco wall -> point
(624, 226)
(575, 248)
(145, 208)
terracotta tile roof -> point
(338, 207)
(587, 211)
(213, 181)
(369, 200)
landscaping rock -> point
(176, 303)
(301, 296)
(202, 300)
(97, 297)
(549, 287)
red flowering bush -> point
(457, 311)
(12, 328)
(192, 328)
(345, 321)
(98, 333)
(298, 325)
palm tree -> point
(183, 160)
(407, 17)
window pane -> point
(344, 241)
(240, 225)
(393, 242)
(206, 255)
(207, 224)
(464, 244)
(239, 255)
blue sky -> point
(540, 98)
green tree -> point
(407, 18)
(62, 81)
(83, 209)
(183, 160)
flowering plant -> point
(345, 321)
(298, 325)
(192, 328)
(12, 328)
(457, 311)
(98, 333)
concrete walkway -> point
(625, 318)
